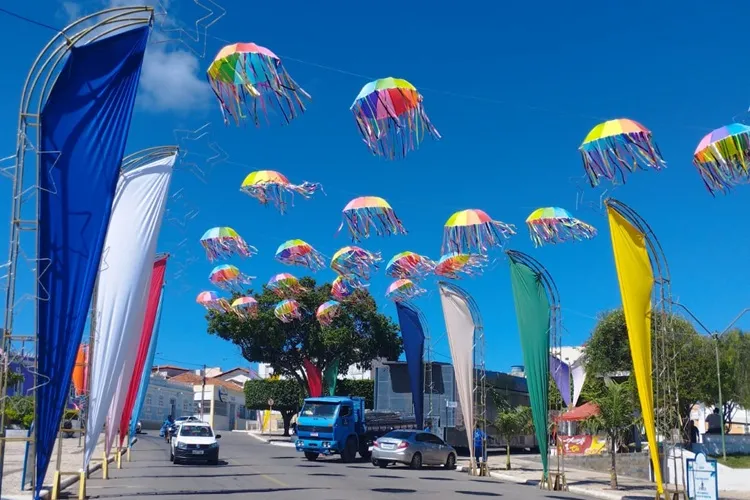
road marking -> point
(274, 480)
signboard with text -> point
(702, 478)
(582, 445)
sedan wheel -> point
(416, 461)
(450, 463)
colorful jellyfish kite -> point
(473, 231)
(223, 242)
(344, 286)
(370, 214)
(723, 158)
(285, 285)
(409, 265)
(454, 264)
(288, 310)
(327, 312)
(391, 117)
(269, 186)
(550, 225)
(356, 261)
(212, 302)
(404, 290)
(618, 146)
(250, 80)
(229, 277)
(300, 253)
(245, 307)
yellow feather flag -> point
(636, 283)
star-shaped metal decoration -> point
(194, 144)
(171, 30)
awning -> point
(582, 412)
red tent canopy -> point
(580, 413)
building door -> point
(232, 415)
(173, 408)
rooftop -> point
(195, 379)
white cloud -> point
(172, 79)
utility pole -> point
(203, 388)
(721, 402)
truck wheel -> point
(349, 453)
(364, 451)
(311, 456)
(416, 461)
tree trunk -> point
(286, 416)
(507, 455)
(613, 467)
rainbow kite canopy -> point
(403, 290)
(269, 186)
(229, 277)
(327, 312)
(473, 231)
(250, 80)
(223, 242)
(368, 214)
(615, 147)
(453, 265)
(356, 261)
(409, 265)
(245, 307)
(284, 284)
(722, 158)
(344, 286)
(550, 225)
(288, 310)
(391, 118)
(212, 302)
(300, 253)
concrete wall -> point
(628, 464)
(736, 444)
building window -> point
(221, 408)
(161, 400)
(242, 412)
(148, 399)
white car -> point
(194, 442)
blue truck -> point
(340, 425)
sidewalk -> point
(582, 482)
(72, 460)
(272, 438)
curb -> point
(503, 477)
(272, 442)
(74, 479)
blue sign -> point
(702, 478)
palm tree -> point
(513, 422)
(616, 415)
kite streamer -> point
(409, 265)
(269, 186)
(404, 290)
(285, 285)
(212, 302)
(245, 307)
(300, 253)
(452, 265)
(229, 277)
(391, 118)
(556, 225)
(288, 310)
(370, 214)
(250, 80)
(723, 157)
(327, 312)
(616, 147)
(223, 242)
(344, 287)
(473, 231)
(356, 261)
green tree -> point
(734, 363)
(512, 422)
(608, 351)
(286, 394)
(357, 336)
(362, 388)
(616, 415)
(19, 410)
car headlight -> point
(182, 446)
(213, 445)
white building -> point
(353, 373)
(164, 398)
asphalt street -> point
(249, 468)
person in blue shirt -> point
(478, 444)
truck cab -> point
(333, 426)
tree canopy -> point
(286, 395)
(357, 336)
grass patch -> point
(735, 461)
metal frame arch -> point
(147, 155)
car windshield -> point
(399, 435)
(196, 431)
(319, 409)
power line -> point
(29, 20)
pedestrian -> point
(693, 434)
(479, 444)
(714, 422)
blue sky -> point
(513, 89)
